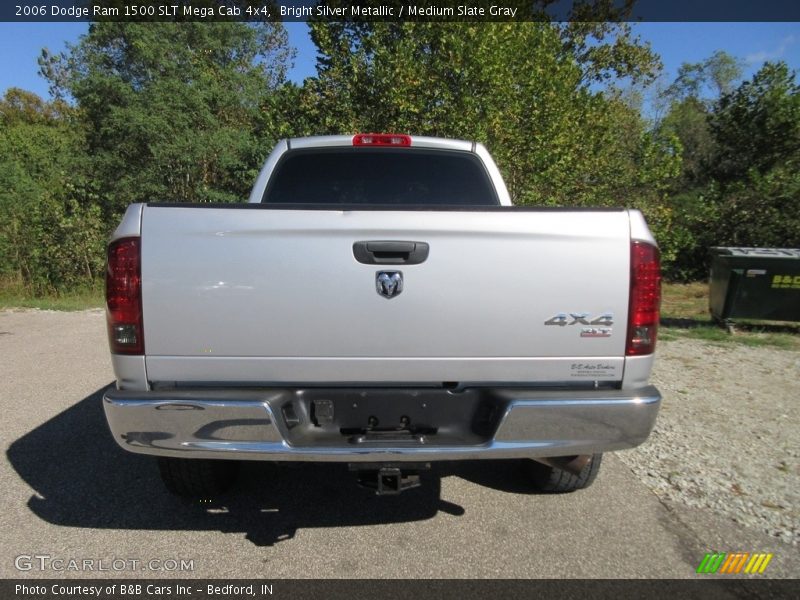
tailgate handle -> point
(390, 253)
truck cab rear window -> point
(380, 176)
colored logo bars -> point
(735, 562)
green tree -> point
(172, 109)
(687, 120)
(689, 111)
(526, 90)
(515, 87)
(719, 73)
(692, 198)
(605, 48)
(51, 231)
(757, 126)
(756, 160)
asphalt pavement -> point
(70, 494)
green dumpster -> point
(755, 283)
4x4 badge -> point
(389, 284)
(562, 320)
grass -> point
(684, 314)
(80, 299)
(685, 300)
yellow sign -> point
(786, 282)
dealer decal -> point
(595, 370)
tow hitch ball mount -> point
(389, 479)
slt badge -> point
(600, 327)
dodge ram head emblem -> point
(389, 283)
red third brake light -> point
(124, 296)
(381, 139)
(645, 299)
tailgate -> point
(256, 294)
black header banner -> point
(399, 10)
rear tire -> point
(197, 477)
(558, 481)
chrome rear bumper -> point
(252, 424)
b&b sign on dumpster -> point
(786, 282)
(755, 283)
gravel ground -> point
(727, 437)
(715, 467)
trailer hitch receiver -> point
(388, 480)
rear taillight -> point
(381, 139)
(645, 299)
(124, 296)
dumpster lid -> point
(757, 252)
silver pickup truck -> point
(379, 302)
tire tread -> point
(558, 481)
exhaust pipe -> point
(570, 464)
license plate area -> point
(390, 417)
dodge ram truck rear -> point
(379, 302)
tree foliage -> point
(739, 183)
(188, 112)
(757, 126)
(172, 109)
(519, 88)
(51, 231)
(142, 112)
(756, 159)
(719, 72)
